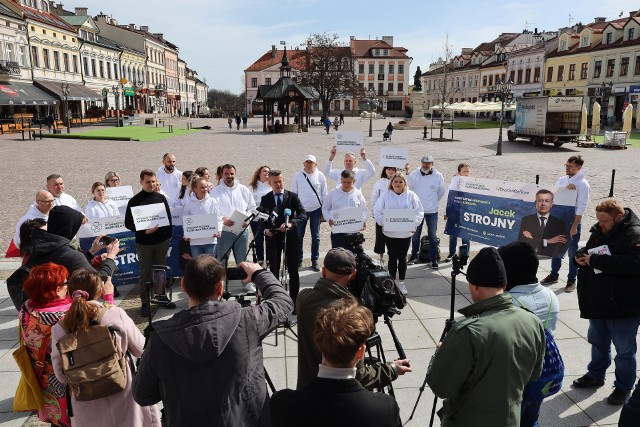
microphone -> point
(274, 214)
(287, 214)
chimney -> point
(352, 37)
(81, 11)
(600, 19)
(388, 40)
(159, 35)
(144, 28)
(132, 26)
(273, 51)
(632, 13)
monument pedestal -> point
(417, 120)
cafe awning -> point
(24, 94)
(77, 92)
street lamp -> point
(605, 91)
(159, 92)
(116, 91)
(65, 93)
(371, 93)
(504, 91)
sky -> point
(221, 38)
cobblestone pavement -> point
(418, 326)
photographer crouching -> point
(205, 363)
(337, 273)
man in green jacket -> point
(338, 271)
(481, 367)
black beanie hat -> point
(486, 269)
(521, 262)
(64, 221)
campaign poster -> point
(495, 213)
(394, 157)
(348, 142)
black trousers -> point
(291, 252)
(378, 247)
(398, 249)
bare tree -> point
(225, 100)
(442, 89)
(329, 69)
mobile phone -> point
(158, 282)
(105, 240)
(236, 273)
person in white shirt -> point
(170, 178)
(345, 196)
(398, 197)
(311, 186)
(428, 184)
(232, 196)
(361, 175)
(381, 186)
(100, 206)
(112, 179)
(259, 186)
(40, 209)
(199, 202)
(573, 180)
(463, 170)
(55, 186)
(185, 189)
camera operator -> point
(338, 271)
(205, 363)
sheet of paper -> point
(102, 226)
(238, 218)
(349, 141)
(348, 220)
(599, 250)
(394, 157)
(120, 195)
(148, 216)
(399, 220)
(199, 226)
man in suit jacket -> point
(341, 332)
(545, 232)
(277, 201)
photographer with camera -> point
(398, 196)
(337, 273)
(205, 363)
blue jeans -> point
(622, 332)
(572, 248)
(313, 218)
(453, 245)
(239, 249)
(432, 231)
(209, 249)
(530, 411)
(630, 413)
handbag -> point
(28, 395)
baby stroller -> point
(385, 136)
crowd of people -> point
(205, 363)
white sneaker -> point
(403, 288)
(249, 287)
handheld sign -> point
(399, 220)
(200, 226)
(120, 195)
(348, 142)
(238, 218)
(394, 157)
(148, 216)
(348, 220)
(102, 226)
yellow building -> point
(566, 69)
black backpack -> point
(15, 286)
(424, 255)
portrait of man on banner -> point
(545, 232)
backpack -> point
(424, 255)
(15, 286)
(550, 381)
(93, 363)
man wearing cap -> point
(338, 271)
(362, 175)
(428, 184)
(311, 186)
(482, 365)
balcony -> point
(9, 67)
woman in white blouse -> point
(381, 186)
(100, 206)
(199, 202)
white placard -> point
(200, 226)
(102, 226)
(148, 216)
(399, 220)
(348, 220)
(348, 142)
(238, 218)
(394, 157)
(120, 195)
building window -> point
(377, 52)
(380, 89)
(336, 105)
(536, 75)
(519, 81)
(347, 104)
(484, 81)
(10, 52)
(563, 45)
(370, 68)
(400, 68)
(583, 70)
(65, 60)
(637, 70)
(85, 63)
(560, 73)
(108, 70)
(45, 59)
(101, 64)
(254, 82)
(391, 68)
(400, 87)
(597, 69)
(267, 81)
(94, 71)
(386, 52)
(631, 33)
(34, 56)
(609, 38)
(22, 55)
(624, 66)
(380, 68)
(549, 74)
(360, 68)
(572, 72)
(527, 75)
(56, 60)
(115, 71)
(611, 65)
(390, 87)
(585, 41)
(75, 64)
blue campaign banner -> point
(495, 213)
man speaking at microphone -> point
(287, 213)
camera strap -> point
(312, 188)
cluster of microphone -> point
(262, 214)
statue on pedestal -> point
(417, 84)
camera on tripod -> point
(373, 284)
(460, 259)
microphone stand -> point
(225, 257)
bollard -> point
(537, 179)
(613, 178)
(424, 136)
(163, 123)
(156, 123)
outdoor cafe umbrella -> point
(583, 122)
(595, 122)
(627, 118)
(637, 117)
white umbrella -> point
(595, 120)
(637, 118)
(627, 118)
(583, 122)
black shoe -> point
(144, 309)
(412, 260)
(549, 280)
(434, 265)
(170, 305)
(618, 397)
(587, 382)
(314, 266)
(571, 286)
(448, 258)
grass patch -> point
(140, 133)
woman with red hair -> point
(48, 302)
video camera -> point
(373, 284)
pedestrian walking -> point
(341, 118)
(238, 120)
(230, 121)
(244, 121)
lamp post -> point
(65, 93)
(605, 91)
(371, 93)
(116, 91)
(159, 92)
(504, 91)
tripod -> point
(282, 272)
(458, 263)
(225, 261)
(375, 342)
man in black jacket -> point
(205, 363)
(545, 232)
(609, 296)
(341, 332)
(152, 245)
(277, 201)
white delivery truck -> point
(547, 119)
(203, 111)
